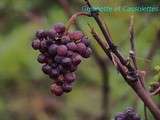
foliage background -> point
(24, 89)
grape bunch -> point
(128, 114)
(60, 53)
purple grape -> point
(36, 44)
(76, 59)
(52, 49)
(88, 53)
(58, 59)
(59, 28)
(77, 35)
(49, 42)
(66, 61)
(46, 69)
(40, 34)
(61, 50)
(72, 46)
(43, 45)
(81, 48)
(42, 58)
(85, 41)
(56, 90)
(70, 77)
(54, 73)
(52, 34)
(67, 87)
(73, 68)
(70, 53)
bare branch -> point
(121, 63)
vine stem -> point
(133, 55)
(73, 19)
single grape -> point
(54, 73)
(70, 53)
(62, 50)
(81, 48)
(42, 58)
(46, 69)
(59, 28)
(72, 46)
(43, 45)
(67, 87)
(52, 49)
(49, 42)
(76, 59)
(69, 77)
(58, 59)
(77, 35)
(87, 53)
(52, 34)
(40, 34)
(36, 44)
(66, 61)
(85, 41)
(56, 90)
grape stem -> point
(123, 66)
(132, 55)
(73, 19)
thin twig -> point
(152, 51)
(105, 85)
(101, 43)
(132, 41)
(133, 55)
(156, 91)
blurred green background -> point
(24, 89)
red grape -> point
(36, 44)
(56, 90)
(52, 49)
(62, 50)
(70, 77)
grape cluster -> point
(128, 114)
(60, 53)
